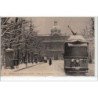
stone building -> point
(52, 45)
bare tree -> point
(88, 33)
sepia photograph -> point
(48, 46)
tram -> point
(76, 54)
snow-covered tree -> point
(18, 34)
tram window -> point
(76, 51)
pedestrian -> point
(50, 61)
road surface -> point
(42, 69)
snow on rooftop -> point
(76, 38)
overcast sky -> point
(44, 24)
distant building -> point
(52, 45)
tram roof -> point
(76, 38)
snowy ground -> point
(41, 69)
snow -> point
(76, 38)
(41, 69)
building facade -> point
(52, 45)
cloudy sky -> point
(44, 24)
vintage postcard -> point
(48, 46)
